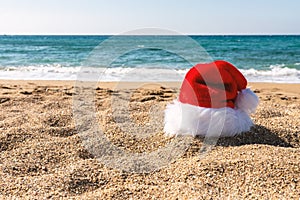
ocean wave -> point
(41, 72)
(275, 73)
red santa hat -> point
(211, 95)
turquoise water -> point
(260, 58)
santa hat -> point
(211, 95)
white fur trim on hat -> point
(247, 101)
(186, 119)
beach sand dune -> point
(43, 156)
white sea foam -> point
(45, 72)
(275, 73)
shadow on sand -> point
(257, 135)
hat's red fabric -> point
(212, 85)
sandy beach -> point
(43, 156)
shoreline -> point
(61, 82)
(289, 88)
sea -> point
(261, 58)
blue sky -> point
(118, 16)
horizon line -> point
(192, 34)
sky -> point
(106, 17)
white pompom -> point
(247, 101)
(186, 119)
